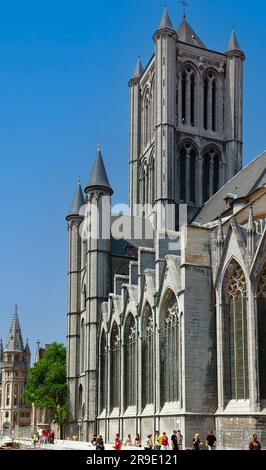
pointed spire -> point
(138, 69)
(15, 341)
(77, 202)
(186, 34)
(165, 22)
(233, 44)
(251, 222)
(99, 177)
(27, 347)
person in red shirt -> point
(118, 443)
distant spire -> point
(77, 202)
(15, 341)
(98, 178)
(233, 44)
(27, 347)
(165, 22)
(138, 69)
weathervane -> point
(184, 5)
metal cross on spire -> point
(184, 4)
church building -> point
(164, 335)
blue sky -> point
(64, 68)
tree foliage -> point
(47, 387)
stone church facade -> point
(161, 335)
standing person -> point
(174, 441)
(118, 443)
(180, 439)
(254, 443)
(211, 441)
(196, 443)
(149, 442)
(137, 440)
(99, 443)
(165, 442)
(40, 435)
(158, 440)
(128, 441)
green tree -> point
(47, 387)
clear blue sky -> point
(64, 68)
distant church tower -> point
(185, 120)
(15, 358)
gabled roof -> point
(15, 341)
(250, 178)
(98, 178)
(186, 34)
(77, 203)
(165, 22)
(233, 44)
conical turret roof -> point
(233, 44)
(98, 178)
(165, 22)
(77, 202)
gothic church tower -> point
(185, 120)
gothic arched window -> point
(236, 339)
(210, 101)
(187, 173)
(80, 402)
(115, 368)
(103, 372)
(82, 347)
(188, 88)
(211, 173)
(8, 395)
(130, 361)
(15, 396)
(261, 315)
(147, 357)
(169, 350)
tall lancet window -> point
(169, 350)
(236, 339)
(130, 362)
(115, 368)
(210, 92)
(151, 182)
(82, 347)
(188, 91)
(103, 372)
(147, 352)
(211, 173)
(8, 395)
(187, 173)
(261, 313)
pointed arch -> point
(211, 84)
(114, 367)
(211, 160)
(103, 372)
(189, 80)
(130, 361)
(147, 355)
(187, 159)
(261, 328)
(236, 379)
(169, 349)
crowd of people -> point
(160, 441)
(43, 436)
